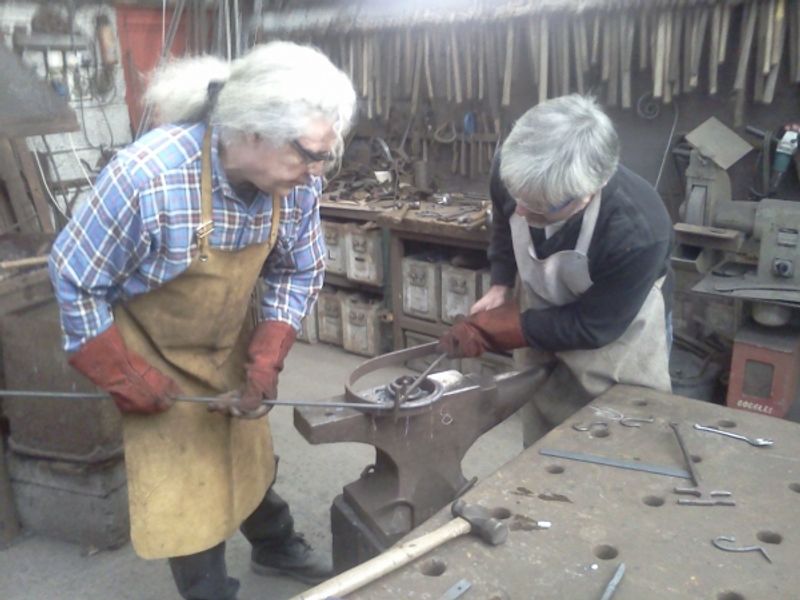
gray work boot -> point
(295, 559)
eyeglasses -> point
(311, 157)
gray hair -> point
(276, 90)
(563, 148)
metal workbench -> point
(602, 516)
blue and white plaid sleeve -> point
(294, 278)
(97, 250)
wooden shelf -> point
(342, 281)
(410, 229)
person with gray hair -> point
(156, 276)
(590, 242)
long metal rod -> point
(612, 585)
(614, 462)
(687, 458)
(415, 384)
(195, 399)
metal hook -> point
(718, 543)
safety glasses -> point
(311, 157)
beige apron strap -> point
(276, 222)
(587, 227)
(206, 200)
(206, 205)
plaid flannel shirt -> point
(137, 232)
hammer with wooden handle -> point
(468, 518)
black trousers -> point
(204, 576)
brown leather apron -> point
(193, 475)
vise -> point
(419, 447)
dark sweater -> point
(629, 251)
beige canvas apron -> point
(193, 475)
(638, 357)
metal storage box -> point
(421, 282)
(329, 317)
(308, 327)
(361, 325)
(485, 281)
(85, 504)
(459, 291)
(335, 247)
(365, 255)
(77, 430)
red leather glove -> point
(135, 385)
(268, 347)
(498, 329)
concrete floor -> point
(36, 568)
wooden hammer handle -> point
(389, 561)
(24, 262)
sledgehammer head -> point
(490, 530)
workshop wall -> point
(95, 91)
(457, 74)
(441, 82)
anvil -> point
(418, 456)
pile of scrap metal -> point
(375, 178)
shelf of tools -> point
(407, 216)
(390, 230)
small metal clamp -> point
(201, 233)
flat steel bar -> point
(618, 463)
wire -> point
(668, 145)
(53, 201)
(647, 107)
(80, 163)
(57, 176)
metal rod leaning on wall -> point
(9, 523)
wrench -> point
(757, 442)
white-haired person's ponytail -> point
(178, 92)
(275, 90)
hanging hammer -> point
(467, 518)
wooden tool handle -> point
(24, 262)
(389, 561)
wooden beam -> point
(24, 215)
(9, 524)
(32, 176)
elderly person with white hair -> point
(590, 241)
(154, 278)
